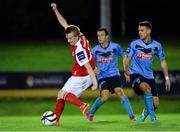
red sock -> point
(59, 108)
(71, 98)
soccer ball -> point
(48, 118)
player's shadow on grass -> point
(105, 122)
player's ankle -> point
(132, 118)
(57, 123)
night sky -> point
(34, 19)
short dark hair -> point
(103, 29)
(72, 28)
(146, 24)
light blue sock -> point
(95, 106)
(149, 105)
(145, 112)
(127, 106)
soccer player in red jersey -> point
(83, 75)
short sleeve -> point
(160, 53)
(130, 51)
(81, 57)
(120, 51)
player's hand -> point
(168, 85)
(96, 70)
(94, 86)
(54, 6)
(127, 77)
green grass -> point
(25, 115)
(35, 56)
(169, 122)
(56, 56)
(38, 106)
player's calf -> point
(84, 108)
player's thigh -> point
(61, 94)
(115, 83)
(103, 84)
(77, 85)
(145, 87)
(152, 83)
(119, 92)
(136, 79)
(140, 84)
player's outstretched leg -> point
(128, 108)
(94, 108)
(150, 107)
(58, 110)
(84, 108)
(71, 98)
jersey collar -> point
(147, 43)
(105, 47)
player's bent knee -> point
(61, 94)
(145, 87)
(120, 93)
(104, 98)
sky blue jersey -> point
(107, 59)
(142, 56)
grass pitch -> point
(25, 115)
(169, 122)
(55, 56)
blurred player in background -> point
(141, 53)
(106, 55)
(83, 69)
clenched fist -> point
(54, 6)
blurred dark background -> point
(34, 19)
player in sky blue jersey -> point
(106, 55)
(141, 53)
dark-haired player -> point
(141, 53)
(106, 54)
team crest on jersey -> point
(144, 56)
(81, 56)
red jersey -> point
(82, 54)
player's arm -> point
(92, 75)
(96, 70)
(60, 18)
(165, 72)
(126, 61)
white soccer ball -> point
(48, 118)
